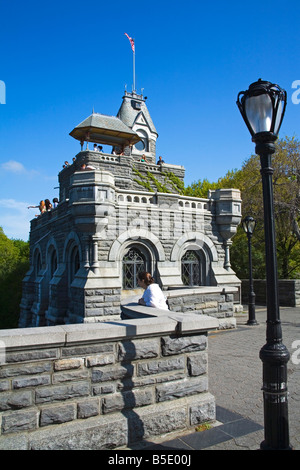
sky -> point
(62, 59)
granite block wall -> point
(104, 385)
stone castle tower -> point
(124, 213)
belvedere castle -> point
(122, 214)
(89, 368)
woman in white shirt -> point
(153, 296)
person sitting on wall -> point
(153, 295)
(160, 161)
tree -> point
(287, 204)
(286, 181)
(8, 254)
(286, 186)
(14, 263)
(200, 188)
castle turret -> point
(134, 113)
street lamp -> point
(262, 107)
(249, 225)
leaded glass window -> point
(190, 269)
(134, 262)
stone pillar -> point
(95, 262)
(227, 264)
(86, 252)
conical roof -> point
(132, 106)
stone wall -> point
(288, 291)
(217, 302)
(104, 385)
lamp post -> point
(249, 225)
(262, 107)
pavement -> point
(235, 379)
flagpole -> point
(134, 70)
(132, 43)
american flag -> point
(131, 41)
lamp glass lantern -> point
(262, 107)
(249, 224)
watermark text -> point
(295, 358)
(296, 93)
(2, 92)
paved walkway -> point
(235, 378)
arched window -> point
(142, 145)
(193, 268)
(53, 263)
(74, 263)
(134, 261)
(37, 263)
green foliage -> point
(239, 256)
(200, 188)
(176, 183)
(161, 188)
(152, 184)
(142, 180)
(14, 263)
(286, 182)
(203, 427)
(8, 254)
(145, 184)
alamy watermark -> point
(2, 92)
(295, 358)
(296, 93)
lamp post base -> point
(265, 446)
(252, 322)
(274, 356)
(251, 307)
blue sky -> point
(61, 59)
